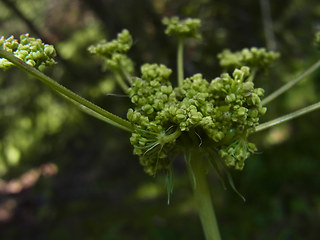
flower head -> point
(30, 50)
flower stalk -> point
(290, 84)
(98, 111)
(197, 171)
(180, 61)
(288, 117)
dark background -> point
(66, 175)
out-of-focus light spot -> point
(13, 155)
(13, 187)
(28, 179)
(149, 191)
(25, 123)
(278, 135)
(6, 210)
(49, 169)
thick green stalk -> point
(290, 84)
(180, 61)
(288, 117)
(98, 111)
(197, 170)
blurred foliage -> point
(99, 190)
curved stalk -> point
(290, 84)
(180, 61)
(98, 111)
(287, 117)
(197, 170)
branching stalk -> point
(98, 111)
(180, 61)
(197, 170)
(287, 117)
(126, 75)
(290, 84)
(121, 82)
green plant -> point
(209, 122)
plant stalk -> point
(121, 82)
(290, 84)
(288, 117)
(180, 61)
(197, 169)
(98, 111)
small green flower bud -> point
(259, 92)
(254, 99)
(4, 64)
(247, 88)
(49, 50)
(230, 98)
(31, 62)
(242, 111)
(148, 109)
(166, 89)
(253, 113)
(218, 136)
(262, 110)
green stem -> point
(197, 170)
(98, 111)
(252, 75)
(287, 117)
(121, 82)
(163, 139)
(180, 61)
(268, 25)
(290, 84)
(126, 75)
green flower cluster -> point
(151, 94)
(30, 50)
(255, 58)
(187, 28)
(222, 113)
(114, 52)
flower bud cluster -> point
(30, 50)
(258, 58)
(114, 52)
(151, 94)
(224, 111)
(187, 28)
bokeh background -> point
(66, 175)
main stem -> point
(197, 171)
(180, 61)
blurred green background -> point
(66, 175)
